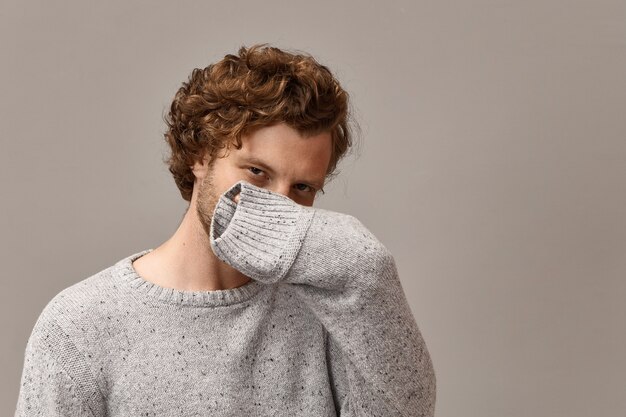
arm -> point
(350, 282)
(55, 378)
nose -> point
(281, 188)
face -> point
(276, 158)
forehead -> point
(283, 148)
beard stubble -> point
(207, 200)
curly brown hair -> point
(259, 87)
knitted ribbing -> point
(152, 292)
(264, 230)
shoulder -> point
(81, 304)
(58, 364)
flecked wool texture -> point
(323, 328)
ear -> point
(200, 167)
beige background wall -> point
(493, 166)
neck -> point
(186, 261)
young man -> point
(259, 304)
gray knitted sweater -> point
(322, 329)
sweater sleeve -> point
(55, 378)
(349, 281)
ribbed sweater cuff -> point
(261, 234)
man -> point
(259, 304)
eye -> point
(255, 171)
(308, 189)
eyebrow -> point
(256, 161)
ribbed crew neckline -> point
(182, 297)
